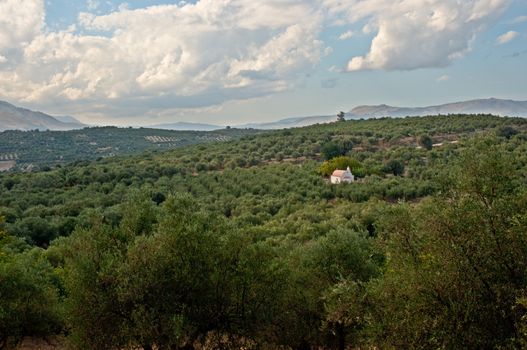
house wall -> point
(335, 179)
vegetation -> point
(342, 162)
(426, 142)
(41, 150)
(243, 244)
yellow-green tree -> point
(342, 162)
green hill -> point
(32, 150)
(244, 244)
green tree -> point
(342, 162)
(425, 141)
(95, 316)
(331, 150)
(457, 263)
(506, 131)
(29, 295)
(395, 167)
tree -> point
(29, 296)
(327, 168)
(506, 131)
(457, 263)
(331, 150)
(93, 258)
(341, 116)
(395, 167)
(425, 141)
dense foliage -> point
(30, 150)
(244, 244)
(342, 162)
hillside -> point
(290, 123)
(69, 119)
(245, 244)
(487, 106)
(481, 106)
(16, 118)
(27, 150)
(187, 126)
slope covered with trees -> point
(41, 150)
(245, 244)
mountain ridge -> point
(18, 118)
(187, 126)
(502, 107)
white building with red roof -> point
(340, 176)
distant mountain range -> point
(12, 117)
(489, 106)
(184, 126)
(68, 119)
(291, 122)
(16, 118)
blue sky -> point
(236, 61)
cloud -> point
(180, 56)
(205, 53)
(346, 35)
(412, 34)
(21, 21)
(335, 69)
(506, 37)
(519, 19)
(443, 78)
(92, 4)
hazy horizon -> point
(239, 61)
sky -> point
(229, 62)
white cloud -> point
(20, 22)
(346, 35)
(443, 78)
(205, 53)
(124, 6)
(412, 34)
(93, 4)
(185, 56)
(506, 37)
(335, 69)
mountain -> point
(69, 119)
(488, 106)
(16, 118)
(280, 124)
(12, 117)
(184, 126)
(291, 122)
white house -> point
(340, 176)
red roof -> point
(338, 173)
